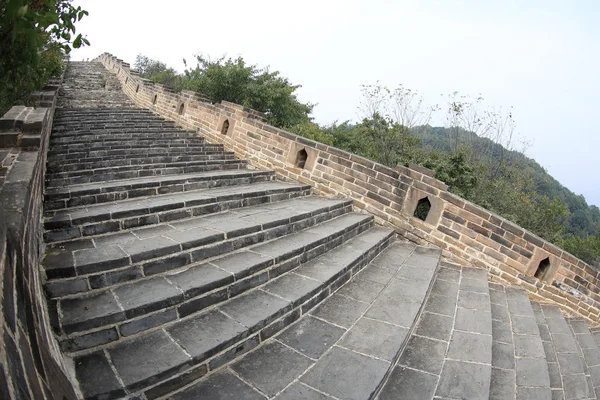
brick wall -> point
(31, 365)
(467, 233)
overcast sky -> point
(540, 56)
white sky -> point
(540, 56)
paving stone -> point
(376, 274)
(397, 311)
(498, 297)
(344, 374)
(503, 355)
(570, 363)
(470, 347)
(147, 322)
(405, 289)
(575, 386)
(528, 393)
(518, 307)
(90, 311)
(528, 346)
(524, 325)
(340, 310)
(424, 354)
(477, 321)
(502, 385)
(96, 377)
(405, 383)
(441, 305)
(461, 380)
(205, 335)
(146, 296)
(98, 259)
(435, 326)
(311, 336)
(500, 313)
(243, 263)
(501, 331)
(361, 290)
(447, 274)
(474, 285)
(445, 288)
(145, 249)
(222, 385)
(473, 300)
(256, 309)
(554, 374)
(558, 325)
(532, 372)
(148, 359)
(374, 338)
(271, 367)
(299, 391)
(293, 287)
(199, 279)
(564, 343)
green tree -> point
(34, 36)
(158, 72)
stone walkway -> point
(176, 272)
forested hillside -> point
(477, 152)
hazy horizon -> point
(538, 57)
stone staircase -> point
(176, 271)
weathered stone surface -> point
(311, 336)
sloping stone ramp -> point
(174, 271)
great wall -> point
(157, 246)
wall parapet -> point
(31, 363)
(409, 199)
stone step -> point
(57, 140)
(564, 364)
(589, 352)
(84, 132)
(143, 304)
(77, 222)
(83, 165)
(345, 346)
(131, 146)
(164, 360)
(503, 383)
(183, 242)
(95, 193)
(108, 141)
(144, 170)
(97, 155)
(449, 355)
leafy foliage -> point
(238, 82)
(34, 36)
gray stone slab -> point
(551, 311)
(405, 289)
(320, 270)
(147, 295)
(586, 341)
(524, 325)
(517, 307)
(256, 309)
(361, 290)
(148, 359)
(374, 338)
(575, 387)
(405, 383)
(394, 310)
(461, 380)
(96, 377)
(473, 300)
(311, 336)
(243, 263)
(441, 305)
(199, 279)
(477, 321)
(503, 355)
(471, 347)
(445, 288)
(424, 354)
(554, 374)
(395, 256)
(544, 332)
(500, 313)
(423, 261)
(376, 274)
(527, 393)
(345, 374)
(448, 274)
(564, 343)
(532, 372)
(498, 297)
(558, 325)
(415, 274)
(528, 346)
(90, 311)
(207, 334)
(293, 287)
(222, 385)
(435, 326)
(271, 367)
(501, 331)
(146, 249)
(474, 285)
(299, 391)
(340, 310)
(570, 363)
(98, 259)
(502, 385)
